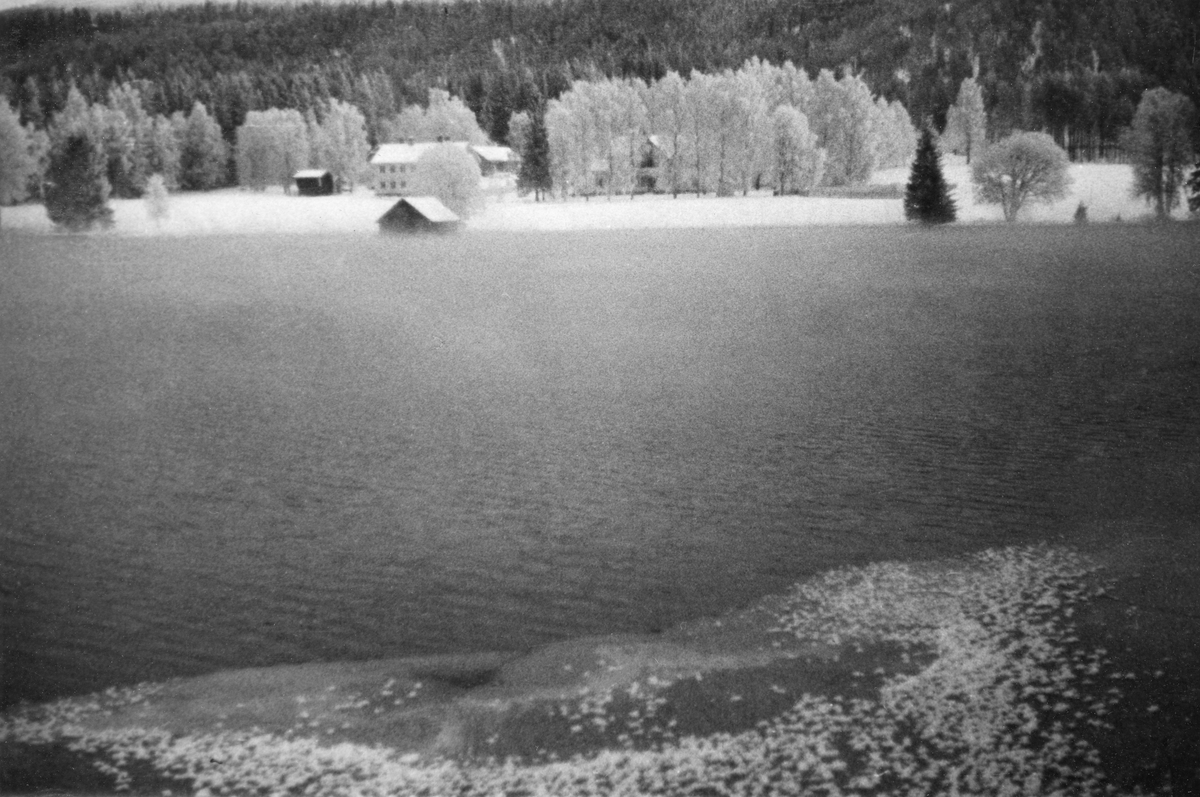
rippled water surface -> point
(239, 451)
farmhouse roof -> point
(304, 174)
(408, 153)
(428, 206)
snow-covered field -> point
(1103, 188)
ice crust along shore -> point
(1103, 188)
(986, 690)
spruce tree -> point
(76, 186)
(927, 198)
(535, 160)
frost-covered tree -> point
(843, 117)
(798, 162)
(895, 137)
(1159, 144)
(272, 146)
(519, 125)
(162, 151)
(669, 98)
(128, 134)
(793, 87)
(927, 197)
(156, 198)
(633, 121)
(372, 94)
(17, 165)
(117, 140)
(77, 116)
(444, 117)
(203, 153)
(570, 126)
(605, 102)
(966, 121)
(256, 158)
(76, 185)
(561, 134)
(703, 101)
(724, 112)
(339, 143)
(450, 173)
(1020, 168)
(752, 131)
(39, 152)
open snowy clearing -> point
(1103, 188)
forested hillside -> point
(1073, 69)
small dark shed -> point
(419, 214)
(314, 182)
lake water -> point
(244, 451)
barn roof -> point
(310, 173)
(429, 207)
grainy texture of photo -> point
(599, 398)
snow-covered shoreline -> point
(1103, 188)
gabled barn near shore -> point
(419, 214)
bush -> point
(451, 174)
(1020, 168)
(157, 202)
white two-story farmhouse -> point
(394, 166)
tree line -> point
(1029, 166)
(1075, 71)
(760, 126)
(190, 152)
(605, 138)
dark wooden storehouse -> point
(419, 214)
(314, 182)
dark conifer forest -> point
(1075, 70)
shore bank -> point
(1104, 189)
